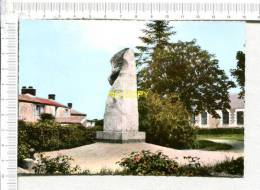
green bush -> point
(47, 135)
(148, 163)
(57, 165)
(165, 121)
(145, 163)
(193, 168)
(23, 146)
(47, 116)
(220, 131)
(233, 166)
(99, 122)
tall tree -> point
(184, 68)
(239, 72)
(156, 36)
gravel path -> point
(105, 155)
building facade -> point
(31, 107)
(234, 117)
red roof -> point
(70, 120)
(34, 99)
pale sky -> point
(71, 58)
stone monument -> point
(121, 112)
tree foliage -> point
(239, 72)
(47, 117)
(165, 121)
(156, 36)
(183, 68)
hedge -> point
(220, 131)
(49, 136)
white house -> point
(234, 117)
(31, 107)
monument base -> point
(120, 137)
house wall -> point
(214, 122)
(218, 122)
(27, 112)
(62, 112)
(50, 109)
(78, 117)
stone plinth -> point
(121, 112)
(121, 137)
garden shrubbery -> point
(148, 163)
(233, 166)
(220, 131)
(165, 121)
(57, 165)
(47, 135)
(144, 163)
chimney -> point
(51, 96)
(29, 90)
(70, 105)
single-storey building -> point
(233, 117)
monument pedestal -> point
(120, 136)
(121, 112)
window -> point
(204, 118)
(240, 118)
(66, 112)
(225, 117)
(193, 118)
(39, 109)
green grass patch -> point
(211, 146)
(236, 134)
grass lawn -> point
(237, 137)
(204, 142)
(211, 146)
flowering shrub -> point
(57, 165)
(148, 163)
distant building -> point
(75, 117)
(91, 123)
(234, 117)
(31, 107)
